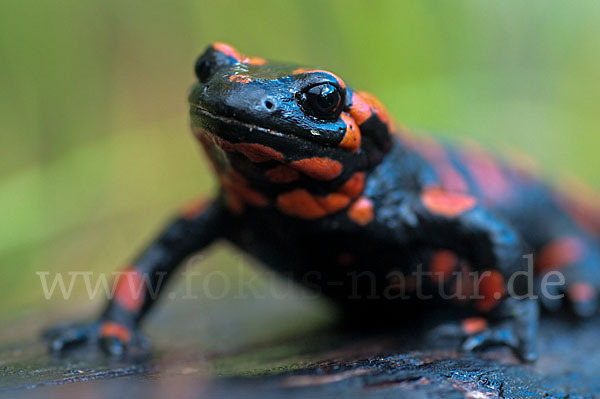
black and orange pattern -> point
(315, 177)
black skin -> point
(276, 108)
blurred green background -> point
(95, 148)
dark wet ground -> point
(239, 355)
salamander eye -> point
(203, 69)
(323, 101)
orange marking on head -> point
(559, 253)
(352, 137)
(473, 325)
(491, 288)
(240, 78)
(252, 60)
(581, 292)
(442, 264)
(299, 71)
(282, 174)
(446, 203)
(319, 168)
(360, 110)
(194, 208)
(130, 290)
(354, 186)
(487, 173)
(258, 152)
(361, 211)
(377, 107)
(232, 52)
(300, 203)
(112, 329)
(227, 50)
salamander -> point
(318, 183)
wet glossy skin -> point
(317, 184)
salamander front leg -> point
(140, 284)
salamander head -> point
(282, 123)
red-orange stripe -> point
(126, 292)
(112, 329)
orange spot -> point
(130, 290)
(227, 50)
(232, 52)
(377, 107)
(319, 168)
(194, 208)
(443, 263)
(581, 292)
(333, 202)
(559, 253)
(473, 325)
(258, 152)
(352, 138)
(360, 110)
(299, 71)
(354, 186)
(112, 329)
(240, 78)
(447, 203)
(300, 203)
(361, 212)
(252, 60)
(491, 288)
(282, 174)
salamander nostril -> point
(269, 104)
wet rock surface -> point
(316, 364)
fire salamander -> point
(318, 184)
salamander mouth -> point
(198, 110)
